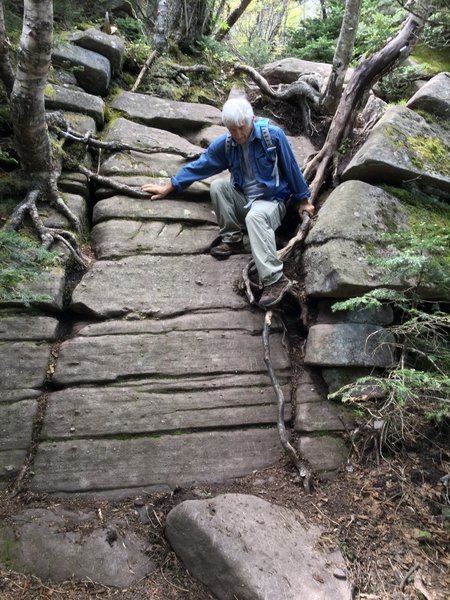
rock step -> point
(112, 411)
(159, 286)
(119, 466)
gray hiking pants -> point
(261, 220)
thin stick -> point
(144, 69)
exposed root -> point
(303, 93)
(304, 472)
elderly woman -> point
(264, 176)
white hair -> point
(237, 112)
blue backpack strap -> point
(228, 142)
(263, 126)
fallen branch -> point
(303, 470)
(144, 69)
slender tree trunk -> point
(27, 97)
(365, 76)
(232, 18)
(6, 72)
(342, 56)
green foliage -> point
(257, 53)
(397, 85)
(130, 28)
(418, 388)
(21, 261)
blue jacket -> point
(215, 160)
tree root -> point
(93, 142)
(304, 472)
(303, 93)
(47, 235)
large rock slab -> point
(136, 409)
(116, 238)
(120, 357)
(111, 46)
(171, 115)
(59, 545)
(132, 164)
(159, 286)
(150, 463)
(93, 71)
(27, 327)
(244, 547)
(124, 207)
(141, 136)
(61, 98)
(403, 147)
(433, 97)
(349, 345)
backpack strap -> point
(263, 125)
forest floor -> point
(390, 518)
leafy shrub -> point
(21, 261)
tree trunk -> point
(365, 76)
(27, 97)
(232, 18)
(6, 72)
(342, 56)
(160, 35)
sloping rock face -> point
(244, 547)
(178, 117)
(403, 147)
(433, 97)
(60, 545)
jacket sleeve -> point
(289, 168)
(211, 162)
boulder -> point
(61, 98)
(241, 546)
(178, 117)
(404, 147)
(92, 70)
(433, 97)
(16, 425)
(288, 70)
(58, 545)
(110, 46)
(348, 231)
(137, 164)
(349, 345)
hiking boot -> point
(226, 249)
(272, 294)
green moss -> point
(434, 60)
(49, 91)
(429, 153)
